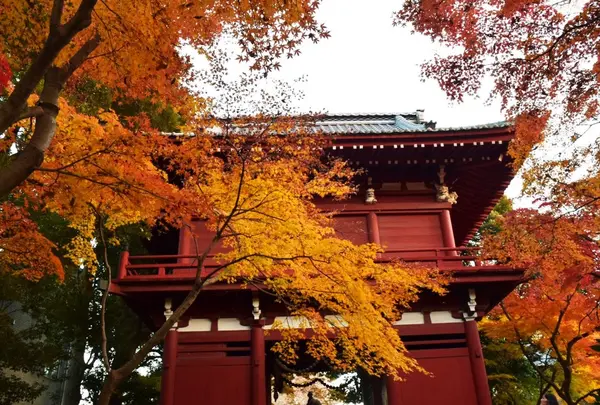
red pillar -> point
(373, 227)
(185, 243)
(167, 383)
(259, 394)
(393, 391)
(482, 389)
(448, 232)
(123, 265)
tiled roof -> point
(367, 123)
(378, 123)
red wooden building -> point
(427, 190)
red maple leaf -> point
(5, 72)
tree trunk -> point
(111, 382)
(32, 156)
(126, 350)
(72, 391)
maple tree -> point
(57, 43)
(554, 317)
(57, 51)
(251, 177)
(543, 60)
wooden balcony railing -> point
(172, 267)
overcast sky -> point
(370, 66)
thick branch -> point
(57, 40)
(81, 55)
(32, 156)
(56, 16)
(588, 394)
(32, 112)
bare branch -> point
(588, 394)
(83, 158)
(105, 360)
(112, 186)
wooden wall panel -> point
(198, 234)
(202, 384)
(406, 231)
(352, 228)
(452, 381)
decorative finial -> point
(370, 196)
(169, 311)
(168, 305)
(255, 308)
(472, 303)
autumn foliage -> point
(554, 318)
(68, 144)
(541, 56)
(252, 180)
(25, 252)
(103, 129)
(543, 60)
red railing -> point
(185, 266)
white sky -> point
(370, 66)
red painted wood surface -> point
(452, 382)
(352, 228)
(213, 384)
(406, 231)
(169, 368)
(482, 389)
(213, 373)
(258, 365)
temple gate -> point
(427, 191)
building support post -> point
(167, 384)
(482, 389)
(373, 228)
(259, 396)
(393, 391)
(448, 232)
